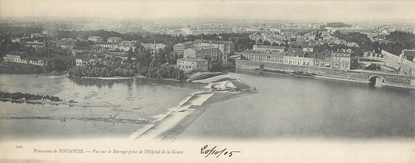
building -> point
(126, 45)
(81, 52)
(109, 46)
(95, 39)
(409, 54)
(298, 60)
(268, 48)
(117, 53)
(192, 64)
(308, 49)
(226, 48)
(153, 47)
(204, 52)
(80, 62)
(12, 58)
(321, 59)
(114, 40)
(341, 60)
(35, 36)
(206, 30)
(16, 58)
(21, 40)
(35, 44)
(261, 56)
(66, 43)
(180, 47)
(87, 61)
(37, 62)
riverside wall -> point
(361, 76)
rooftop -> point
(269, 47)
(409, 52)
(213, 41)
(185, 43)
(201, 47)
(193, 59)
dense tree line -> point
(364, 42)
(335, 24)
(27, 96)
(20, 30)
(145, 66)
(399, 41)
(7, 45)
(20, 68)
(405, 38)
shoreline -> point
(23, 100)
(286, 73)
(43, 102)
(65, 118)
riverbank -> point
(346, 78)
(220, 88)
(374, 77)
(20, 68)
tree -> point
(266, 42)
(129, 55)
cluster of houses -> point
(294, 38)
(202, 55)
(340, 59)
(112, 47)
(15, 57)
(35, 40)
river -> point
(289, 107)
(144, 100)
(284, 107)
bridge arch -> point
(376, 81)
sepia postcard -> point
(207, 81)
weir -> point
(171, 119)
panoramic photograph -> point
(203, 71)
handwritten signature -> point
(216, 152)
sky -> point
(331, 10)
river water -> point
(293, 107)
(143, 100)
(285, 107)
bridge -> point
(380, 79)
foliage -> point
(113, 68)
(398, 41)
(7, 46)
(359, 38)
(20, 68)
(125, 69)
(27, 96)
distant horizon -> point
(201, 20)
(310, 11)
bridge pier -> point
(376, 81)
